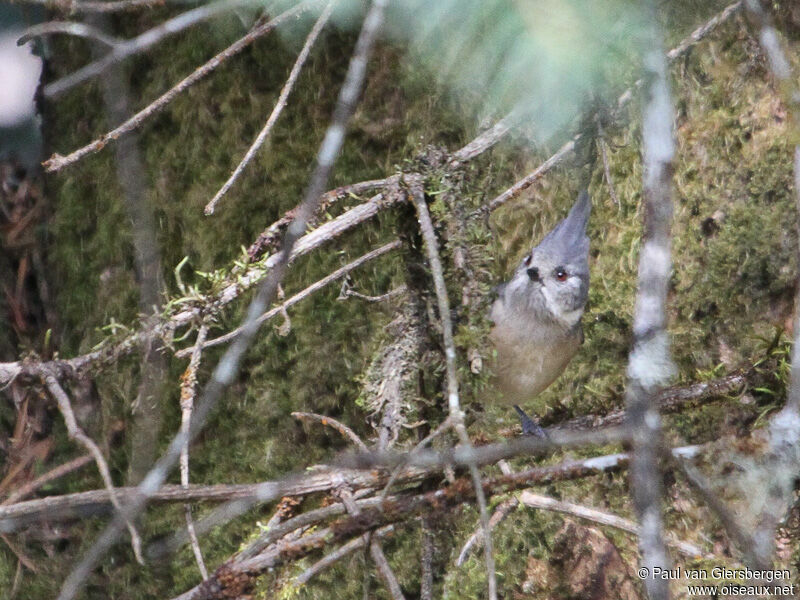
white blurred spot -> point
(19, 74)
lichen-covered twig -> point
(650, 366)
(453, 403)
(76, 433)
(188, 391)
(58, 162)
(314, 287)
(276, 111)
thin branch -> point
(532, 500)
(53, 474)
(476, 539)
(279, 106)
(527, 181)
(92, 6)
(58, 162)
(389, 578)
(601, 142)
(455, 414)
(314, 287)
(143, 42)
(730, 522)
(649, 365)
(346, 432)
(228, 367)
(77, 434)
(336, 555)
(188, 390)
(375, 550)
(68, 28)
(377, 513)
(484, 141)
(346, 293)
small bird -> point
(537, 314)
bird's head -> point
(553, 278)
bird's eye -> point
(561, 274)
(527, 261)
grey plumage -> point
(537, 314)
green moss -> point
(734, 253)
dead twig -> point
(532, 500)
(77, 434)
(51, 475)
(346, 293)
(125, 49)
(58, 162)
(454, 408)
(279, 106)
(346, 432)
(188, 390)
(336, 555)
(314, 287)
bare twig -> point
(69, 28)
(228, 367)
(346, 432)
(279, 106)
(129, 166)
(375, 550)
(77, 434)
(601, 142)
(532, 500)
(314, 287)
(336, 555)
(484, 141)
(389, 578)
(346, 292)
(455, 414)
(122, 50)
(58, 162)
(742, 539)
(51, 475)
(650, 366)
(188, 390)
(377, 513)
(527, 181)
(476, 539)
(21, 556)
(100, 6)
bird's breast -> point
(530, 356)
